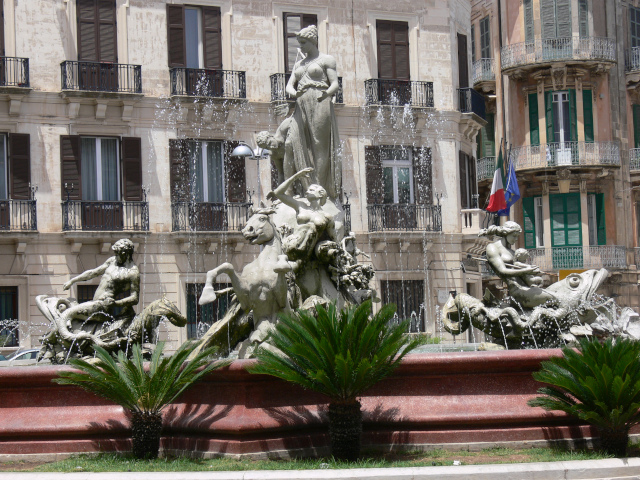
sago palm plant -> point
(600, 384)
(339, 354)
(142, 390)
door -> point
(566, 230)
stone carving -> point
(533, 316)
(108, 320)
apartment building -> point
(118, 118)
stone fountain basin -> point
(457, 400)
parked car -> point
(21, 357)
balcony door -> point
(97, 43)
(397, 178)
(566, 230)
(394, 87)
(562, 128)
(207, 186)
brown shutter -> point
(70, 165)
(19, 166)
(212, 37)
(175, 36)
(2, 29)
(422, 180)
(464, 192)
(393, 49)
(463, 63)
(235, 176)
(132, 168)
(107, 48)
(401, 50)
(473, 182)
(87, 30)
(373, 167)
(179, 171)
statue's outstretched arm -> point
(89, 274)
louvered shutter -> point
(463, 67)
(473, 181)
(393, 50)
(464, 192)
(373, 167)
(563, 18)
(212, 37)
(600, 219)
(587, 102)
(548, 18)
(2, 29)
(529, 223)
(534, 127)
(385, 49)
(529, 32)
(235, 175)
(548, 106)
(573, 116)
(583, 17)
(87, 30)
(401, 50)
(636, 126)
(473, 44)
(107, 43)
(175, 36)
(179, 171)
(487, 137)
(70, 166)
(132, 168)
(485, 38)
(19, 166)
(422, 175)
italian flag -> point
(497, 201)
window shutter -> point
(179, 170)
(636, 126)
(573, 116)
(87, 31)
(212, 37)
(235, 174)
(385, 49)
(2, 29)
(548, 18)
(548, 106)
(19, 166)
(373, 167)
(107, 37)
(529, 216)
(583, 17)
(175, 36)
(422, 175)
(488, 137)
(600, 219)
(401, 50)
(393, 49)
(70, 165)
(485, 38)
(473, 43)
(464, 193)
(473, 182)
(563, 21)
(534, 127)
(529, 32)
(132, 168)
(587, 102)
(463, 60)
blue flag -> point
(512, 191)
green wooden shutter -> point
(548, 112)
(587, 102)
(600, 219)
(636, 126)
(529, 216)
(487, 138)
(534, 126)
(573, 116)
(583, 17)
(529, 32)
(566, 225)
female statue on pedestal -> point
(313, 133)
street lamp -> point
(245, 151)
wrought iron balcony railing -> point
(379, 91)
(485, 168)
(197, 82)
(101, 77)
(577, 154)
(347, 218)
(18, 216)
(470, 101)
(584, 257)
(632, 60)
(208, 216)
(14, 72)
(483, 70)
(636, 256)
(546, 50)
(105, 216)
(279, 84)
(634, 159)
(404, 216)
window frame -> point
(288, 69)
(203, 149)
(99, 139)
(485, 37)
(395, 164)
(199, 24)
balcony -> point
(470, 101)
(398, 93)
(570, 154)
(591, 51)
(209, 217)
(634, 160)
(636, 256)
(584, 257)
(196, 82)
(14, 72)
(279, 84)
(632, 60)
(97, 216)
(404, 217)
(18, 216)
(483, 72)
(101, 77)
(485, 168)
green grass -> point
(108, 462)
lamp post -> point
(245, 151)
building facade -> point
(118, 117)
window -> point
(408, 296)
(194, 37)
(468, 183)
(293, 23)
(15, 166)
(533, 222)
(463, 60)
(207, 171)
(97, 31)
(562, 127)
(556, 19)
(485, 38)
(634, 23)
(201, 317)
(99, 169)
(566, 226)
(393, 49)
(85, 293)
(597, 224)
(9, 326)
(397, 172)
